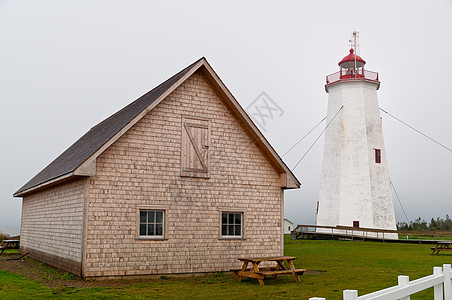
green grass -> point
(365, 266)
(426, 235)
(14, 286)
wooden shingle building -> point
(178, 181)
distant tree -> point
(420, 224)
(447, 223)
(433, 224)
(403, 226)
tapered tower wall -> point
(354, 187)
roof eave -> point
(46, 184)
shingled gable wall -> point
(143, 167)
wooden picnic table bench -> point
(440, 246)
(259, 273)
(9, 244)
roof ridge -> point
(99, 134)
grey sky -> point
(67, 65)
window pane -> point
(230, 229)
(238, 219)
(142, 229)
(151, 218)
(159, 229)
(224, 230)
(377, 155)
(238, 230)
(224, 218)
(143, 216)
(231, 218)
(158, 217)
(151, 229)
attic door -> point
(195, 147)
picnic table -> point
(441, 246)
(9, 244)
(259, 273)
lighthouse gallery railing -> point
(335, 77)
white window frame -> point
(243, 223)
(155, 208)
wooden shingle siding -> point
(52, 223)
(143, 167)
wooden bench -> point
(271, 271)
(441, 246)
(297, 271)
(260, 273)
(9, 244)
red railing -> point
(335, 77)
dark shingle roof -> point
(97, 136)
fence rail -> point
(440, 280)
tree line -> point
(420, 224)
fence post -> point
(447, 282)
(438, 289)
(350, 294)
(404, 281)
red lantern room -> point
(351, 66)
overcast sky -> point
(67, 65)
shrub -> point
(4, 236)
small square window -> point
(377, 156)
(151, 223)
(231, 224)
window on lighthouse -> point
(377, 156)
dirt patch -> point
(56, 278)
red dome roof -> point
(351, 58)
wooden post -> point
(245, 264)
(404, 281)
(447, 282)
(292, 267)
(438, 289)
(350, 294)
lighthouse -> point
(355, 186)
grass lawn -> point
(365, 266)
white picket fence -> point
(440, 280)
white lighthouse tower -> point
(355, 187)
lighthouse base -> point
(352, 233)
